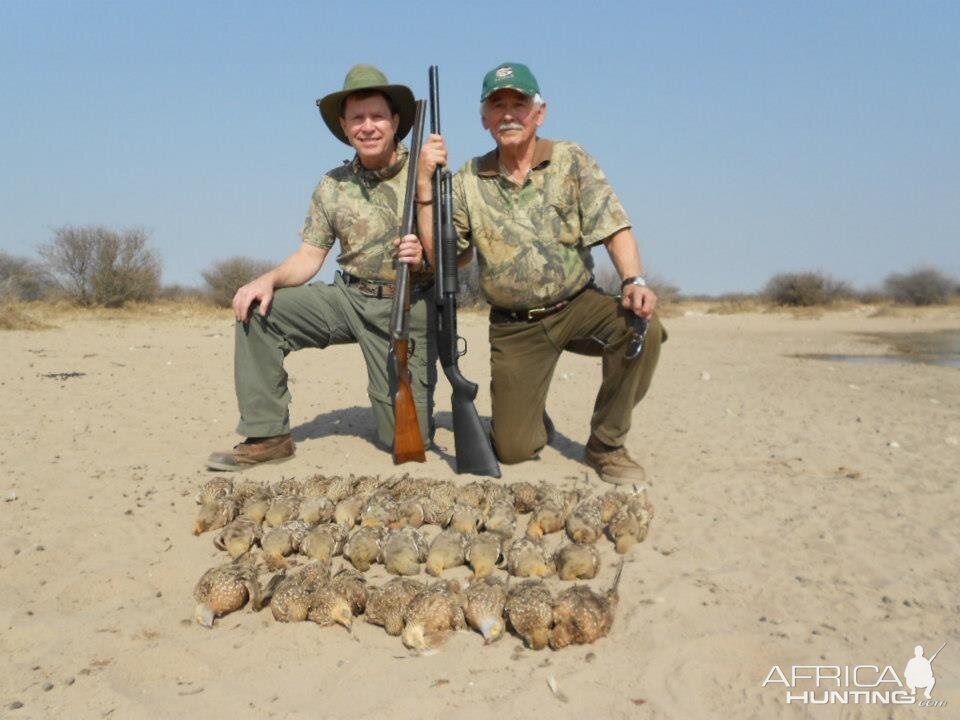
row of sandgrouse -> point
(316, 517)
(423, 615)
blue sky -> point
(744, 138)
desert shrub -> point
(183, 293)
(733, 303)
(608, 280)
(872, 296)
(922, 286)
(667, 293)
(99, 266)
(225, 277)
(805, 289)
(18, 315)
(24, 279)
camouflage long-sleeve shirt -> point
(362, 208)
(533, 240)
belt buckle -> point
(539, 312)
(368, 289)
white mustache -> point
(510, 126)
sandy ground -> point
(806, 515)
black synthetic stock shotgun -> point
(407, 439)
(473, 451)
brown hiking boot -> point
(253, 451)
(613, 464)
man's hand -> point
(260, 290)
(433, 154)
(409, 250)
(641, 301)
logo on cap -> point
(504, 72)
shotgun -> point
(407, 439)
(473, 450)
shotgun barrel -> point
(474, 454)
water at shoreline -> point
(941, 348)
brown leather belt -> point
(498, 314)
(380, 289)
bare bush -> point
(733, 303)
(921, 286)
(100, 266)
(14, 315)
(805, 289)
(225, 277)
(608, 280)
(872, 296)
(667, 293)
(24, 279)
(183, 293)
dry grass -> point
(45, 314)
(916, 312)
(809, 313)
(887, 311)
(671, 310)
(15, 315)
(734, 304)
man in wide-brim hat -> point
(360, 204)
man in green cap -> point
(531, 209)
(358, 203)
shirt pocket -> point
(562, 219)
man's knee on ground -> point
(512, 450)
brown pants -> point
(523, 356)
(315, 316)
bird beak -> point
(204, 616)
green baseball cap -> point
(515, 76)
(367, 77)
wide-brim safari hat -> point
(367, 77)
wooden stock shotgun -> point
(407, 440)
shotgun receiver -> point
(473, 450)
(407, 439)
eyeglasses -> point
(635, 346)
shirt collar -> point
(489, 165)
(370, 177)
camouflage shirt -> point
(533, 240)
(362, 208)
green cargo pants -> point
(523, 356)
(315, 316)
